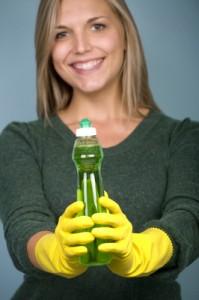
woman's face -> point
(89, 45)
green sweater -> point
(153, 175)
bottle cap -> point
(85, 129)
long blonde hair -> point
(53, 94)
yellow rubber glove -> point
(134, 254)
(59, 252)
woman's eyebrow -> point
(88, 21)
(95, 18)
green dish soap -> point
(87, 156)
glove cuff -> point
(50, 257)
(44, 249)
(151, 250)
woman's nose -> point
(81, 43)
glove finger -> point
(73, 209)
(120, 248)
(115, 234)
(108, 219)
(77, 223)
(75, 251)
(110, 204)
(81, 238)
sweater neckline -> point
(136, 137)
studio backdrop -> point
(169, 31)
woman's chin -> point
(90, 88)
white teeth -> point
(88, 65)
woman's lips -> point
(84, 67)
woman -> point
(90, 63)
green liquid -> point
(88, 155)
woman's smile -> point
(86, 67)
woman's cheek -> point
(60, 51)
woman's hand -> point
(119, 231)
(59, 252)
(134, 254)
(114, 227)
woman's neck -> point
(97, 106)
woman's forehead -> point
(83, 10)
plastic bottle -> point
(87, 156)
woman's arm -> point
(180, 208)
(24, 209)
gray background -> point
(169, 30)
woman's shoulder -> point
(172, 123)
(179, 130)
(26, 130)
(24, 136)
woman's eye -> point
(98, 27)
(61, 35)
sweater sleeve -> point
(24, 209)
(180, 209)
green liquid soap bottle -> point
(87, 156)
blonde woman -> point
(90, 63)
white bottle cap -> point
(85, 129)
